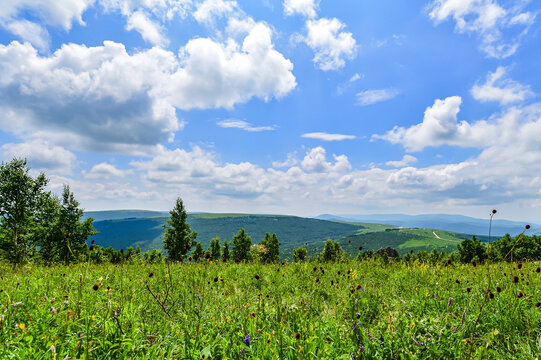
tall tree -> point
(178, 237)
(241, 246)
(214, 249)
(198, 252)
(272, 246)
(299, 254)
(19, 195)
(225, 252)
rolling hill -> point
(139, 229)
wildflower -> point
(360, 248)
(95, 287)
(92, 242)
(256, 277)
(515, 279)
(520, 295)
(491, 295)
(247, 340)
(297, 336)
(108, 288)
(21, 326)
(52, 309)
(18, 303)
(122, 251)
(190, 258)
(538, 269)
(150, 275)
(498, 289)
(242, 352)
(91, 247)
(458, 281)
(450, 301)
(216, 279)
(317, 280)
(67, 235)
(527, 227)
(538, 305)
(474, 263)
(494, 211)
(358, 315)
(519, 266)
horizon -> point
(301, 107)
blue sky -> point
(278, 106)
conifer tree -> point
(178, 238)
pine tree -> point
(272, 247)
(241, 246)
(178, 237)
(214, 249)
(197, 253)
(225, 252)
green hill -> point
(292, 231)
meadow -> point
(370, 309)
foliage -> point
(198, 252)
(272, 246)
(225, 252)
(214, 249)
(299, 254)
(526, 248)
(332, 251)
(241, 246)
(20, 194)
(178, 237)
(470, 250)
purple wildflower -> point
(450, 301)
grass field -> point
(295, 311)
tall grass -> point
(297, 311)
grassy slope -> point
(291, 231)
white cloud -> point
(406, 160)
(499, 87)
(303, 7)
(316, 161)
(49, 12)
(486, 18)
(30, 32)
(41, 155)
(149, 30)
(102, 98)
(241, 124)
(105, 171)
(208, 10)
(289, 162)
(331, 45)
(369, 97)
(327, 137)
(441, 127)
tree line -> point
(37, 225)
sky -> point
(298, 107)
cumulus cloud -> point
(243, 125)
(41, 155)
(441, 127)
(406, 160)
(499, 87)
(369, 97)
(102, 98)
(332, 46)
(105, 171)
(316, 161)
(49, 12)
(327, 137)
(486, 18)
(306, 8)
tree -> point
(299, 254)
(332, 251)
(19, 195)
(470, 249)
(272, 246)
(225, 252)
(214, 249)
(178, 237)
(241, 246)
(197, 253)
(61, 233)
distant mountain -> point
(455, 223)
(122, 214)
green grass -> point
(184, 311)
